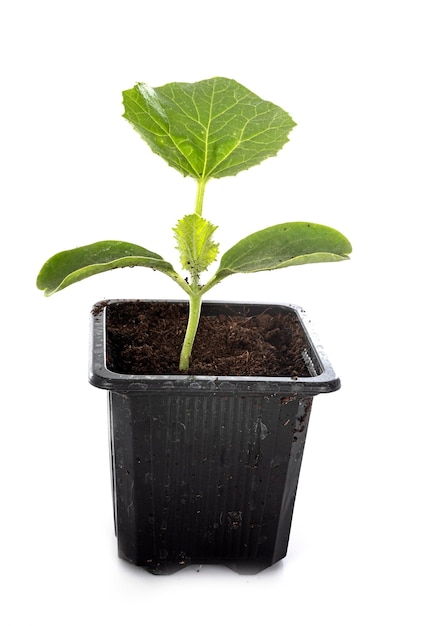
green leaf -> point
(283, 245)
(70, 266)
(196, 248)
(208, 129)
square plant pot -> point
(205, 468)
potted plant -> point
(209, 402)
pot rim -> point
(323, 380)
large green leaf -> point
(283, 245)
(208, 129)
(70, 266)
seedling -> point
(208, 129)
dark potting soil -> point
(146, 338)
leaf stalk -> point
(201, 184)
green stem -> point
(180, 281)
(194, 293)
(201, 184)
(192, 324)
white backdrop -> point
(352, 75)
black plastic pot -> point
(205, 469)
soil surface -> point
(146, 338)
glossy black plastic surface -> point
(205, 470)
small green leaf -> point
(70, 266)
(196, 248)
(208, 129)
(283, 245)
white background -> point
(352, 75)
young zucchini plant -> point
(208, 129)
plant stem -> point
(194, 293)
(201, 184)
(195, 302)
